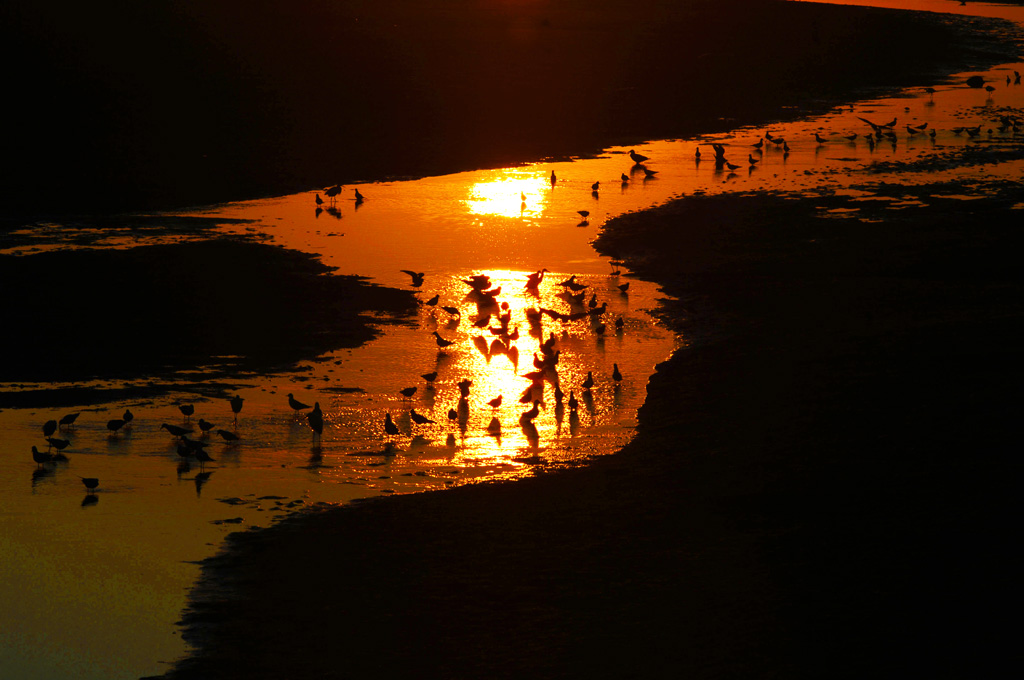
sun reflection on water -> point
(510, 192)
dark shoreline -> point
(272, 101)
(821, 483)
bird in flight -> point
(417, 277)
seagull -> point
(417, 277)
(236, 406)
(69, 420)
(296, 404)
(49, 427)
(637, 158)
(316, 419)
(441, 342)
(90, 483)
(408, 392)
(389, 425)
(228, 436)
(187, 410)
(421, 419)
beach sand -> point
(820, 485)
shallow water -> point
(83, 569)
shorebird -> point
(625, 178)
(648, 173)
(637, 158)
(595, 186)
(236, 406)
(408, 392)
(527, 417)
(453, 414)
(389, 425)
(332, 192)
(818, 138)
(90, 483)
(464, 386)
(115, 425)
(751, 159)
(59, 444)
(454, 311)
(441, 342)
(319, 201)
(127, 417)
(316, 419)
(975, 81)
(851, 137)
(989, 89)
(40, 457)
(759, 145)
(619, 323)
(228, 436)
(494, 427)
(584, 213)
(495, 403)
(534, 279)
(553, 178)
(420, 419)
(589, 382)
(432, 302)
(203, 457)
(696, 154)
(430, 377)
(187, 410)
(573, 402)
(49, 427)
(417, 277)
(616, 374)
(731, 166)
(296, 404)
(174, 430)
(68, 421)
(359, 197)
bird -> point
(173, 429)
(527, 417)
(203, 457)
(332, 192)
(236, 406)
(316, 419)
(319, 201)
(49, 427)
(619, 323)
(535, 279)
(205, 425)
(389, 425)
(115, 425)
(441, 342)
(454, 311)
(433, 301)
(68, 421)
(989, 88)
(90, 483)
(453, 414)
(40, 457)
(359, 197)
(624, 287)
(731, 166)
(851, 137)
(187, 410)
(759, 144)
(625, 178)
(420, 419)
(553, 178)
(573, 401)
(296, 404)
(751, 159)
(616, 374)
(584, 213)
(595, 186)
(975, 81)
(818, 138)
(648, 173)
(417, 277)
(128, 417)
(494, 427)
(589, 382)
(696, 154)
(930, 91)
(495, 403)
(408, 392)
(430, 377)
(59, 444)
(637, 158)
(228, 436)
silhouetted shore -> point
(176, 103)
(821, 483)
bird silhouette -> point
(584, 213)
(417, 277)
(420, 419)
(758, 145)
(359, 197)
(68, 421)
(454, 311)
(316, 419)
(441, 342)
(751, 159)
(433, 301)
(90, 483)
(203, 457)
(648, 173)
(40, 457)
(553, 178)
(205, 425)
(637, 158)
(975, 81)
(495, 403)
(589, 382)
(494, 427)
(624, 287)
(595, 186)
(174, 430)
(625, 178)
(296, 404)
(389, 425)
(236, 406)
(228, 436)
(115, 425)
(319, 201)
(616, 374)
(59, 444)
(818, 138)
(332, 192)
(49, 427)
(127, 417)
(430, 377)
(187, 410)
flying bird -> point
(417, 277)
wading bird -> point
(40, 457)
(616, 374)
(359, 197)
(316, 419)
(68, 421)
(389, 425)
(332, 192)
(495, 403)
(90, 483)
(637, 158)
(407, 392)
(430, 377)
(175, 431)
(187, 410)
(205, 425)
(420, 419)
(115, 425)
(441, 342)
(49, 427)
(296, 404)
(236, 406)
(228, 436)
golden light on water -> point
(512, 192)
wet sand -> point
(820, 484)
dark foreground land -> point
(822, 485)
(117, 107)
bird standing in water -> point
(359, 197)
(187, 410)
(68, 421)
(49, 427)
(90, 483)
(637, 158)
(316, 419)
(296, 404)
(228, 436)
(236, 406)
(389, 425)
(441, 342)
(616, 374)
